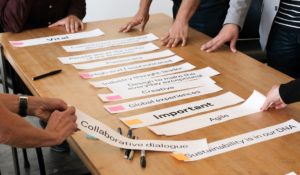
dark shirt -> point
(209, 16)
(290, 92)
(17, 15)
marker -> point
(127, 151)
(143, 159)
(46, 74)
(130, 157)
(120, 132)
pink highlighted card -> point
(85, 75)
(116, 108)
(113, 97)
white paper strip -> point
(241, 141)
(201, 82)
(181, 111)
(56, 38)
(125, 87)
(108, 54)
(250, 106)
(125, 60)
(110, 43)
(132, 67)
(161, 99)
(143, 75)
(106, 134)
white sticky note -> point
(240, 141)
(56, 38)
(161, 99)
(104, 133)
(165, 88)
(144, 75)
(110, 43)
(250, 106)
(181, 111)
(132, 67)
(130, 86)
(125, 60)
(108, 54)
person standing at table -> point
(19, 15)
(17, 132)
(281, 95)
(206, 16)
(279, 32)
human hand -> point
(273, 99)
(43, 107)
(229, 32)
(178, 33)
(61, 125)
(141, 18)
(71, 23)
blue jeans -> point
(209, 16)
(283, 50)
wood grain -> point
(239, 74)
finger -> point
(232, 45)
(81, 25)
(214, 47)
(165, 40)
(76, 26)
(170, 42)
(72, 25)
(208, 45)
(184, 41)
(280, 106)
(128, 28)
(71, 110)
(143, 24)
(123, 28)
(54, 24)
(176, 42)
(67, 26)
(266, 105)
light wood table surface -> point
(239, 74)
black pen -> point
(120, 132)
(127, 151)
(131, 154)
(47, 74)
(143, 159)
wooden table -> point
(239, 74)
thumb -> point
(143, 24)
(58, 23)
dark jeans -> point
(283, 50)
(209, 16)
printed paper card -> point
(56, 38)
(132, 67)
(181, 111)
(144, 75)
(123, 88)
(161, 99)
(250, 106)
(201, 83)
(104, 133)
(108, 54)
(240, 141)
(110, 43)
(125, 60)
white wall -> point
(110, 9)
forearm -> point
(237, 12)
(186, 10)
(145, 6)
(15, 14)
(16, 131)
(77, 8)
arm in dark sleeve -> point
(290, 92)
(14, 14)
(77, 8)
